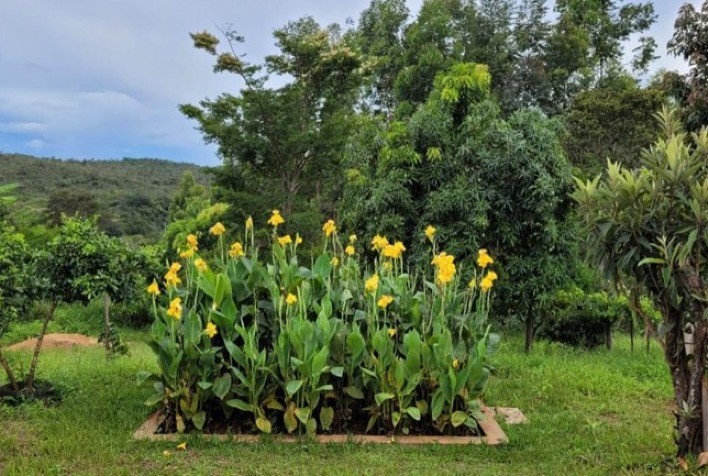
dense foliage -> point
(482, 180)
(613, 123)
(266, 342)
(579, 318)
(691, 90)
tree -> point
(14, 259)
(188, 192)
(291, 137)
(78, 265)
(611, 123)
(608, 24)
(646, 226)
(689, 41)
(481, 180)
(380, 38)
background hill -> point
(131, 196)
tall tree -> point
(291, 136)
(380, 38)
(690, 41)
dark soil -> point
(240, 423)
(43, 391)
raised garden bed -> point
(493, 435)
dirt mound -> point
(53, 341)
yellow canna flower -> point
(211, 330)
(276, 219)
(488, 281)
(171, 279)
(394, 251)
(392, 332)
(430, 232)
(249, 223)
(218, 229)
(182, 446)
(329, 228)
(445, 268)
(455, 363)
(384, 301)
(153, 289)
(291, 299)
(186, 254)
(352, 238)
(483, 259)
(298, 239)
(379, 242)
(387, 265)
(236, 250)
(175, 309)
(285, 240)
(192, 242)
(349, 250)
(372, 284)
(334, 261)
(201, 265)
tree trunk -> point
(29, 384)
(704, 413)
(8, 371)
(687, 383)
(631, 333)
(608, 336)
(529, 334)
(107, 322)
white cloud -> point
(36, 144)
(20, 127)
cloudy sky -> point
(102, 79)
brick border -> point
(493, 435)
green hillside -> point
(130, 196)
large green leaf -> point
(221, 386)
(293, 386)
(326, 417)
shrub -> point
(264, 342)
(577, 318)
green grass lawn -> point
(594, 412)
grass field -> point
(594, 412)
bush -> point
(250, 343)
(577, 318)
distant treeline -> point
(130, 196)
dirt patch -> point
(53, 341)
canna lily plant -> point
(258, 344)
